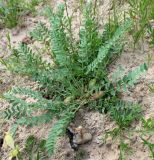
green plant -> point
(35, 148)
(148, 124)
(76, 78)
(151, 88)
(9, 12)
(147, 131)
(124, 113)
(149, 145)
(124, 148)
(124, 116)
(119, 135)
(30, 6)
(147, 127)
(140, 11)
(12, 10)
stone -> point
(78, 136)
(85, 138)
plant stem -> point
(70, 27)
(95, 6)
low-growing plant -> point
(141, 12)
(150, 146)
(151, 88)
(11, 11)
(77, 76)
(124, 113)
(34, 149)
(30, 6)
(124, 148)
(148, 124)
(119, 135)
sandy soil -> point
(93, 121)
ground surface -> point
(93, 121)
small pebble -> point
(84, 139)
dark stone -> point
(1, 142)
(71, 135)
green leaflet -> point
(41, 33)
(57, 130)
(103, 51)
(131, 78)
